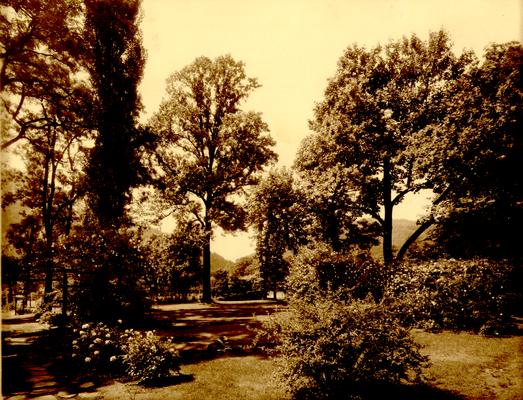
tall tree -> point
(378, 100)
(210, 150)
(484, 205)
(115, 64)
(323, 198)
(45, 97)
(47, 190)
(275, 214)
(41, 64)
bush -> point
(53, 318)
(477, 294)
(96, 350)
(109, 275)
(318, 268)
(148, 357)
(100, 350)
(236, 287)
(334, 347)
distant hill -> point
(401, 230)
(219, 262)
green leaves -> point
(115, 60)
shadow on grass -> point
(385, 391)
(169, 381)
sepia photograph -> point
(261, 200)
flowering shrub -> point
(96, 349)
(476, 294)
(334, 347)
(149, 357)
(53, 318)
(102, 350)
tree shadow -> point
(410, 392)
(169, 381)
(384, 391)
(197, 327)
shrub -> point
(476, 294)
(96, 350)
(317, 269)
(100, 350)
(236, 287)
(53, 318)
(148, 357)
(334, 347)
(109, 274)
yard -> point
(463, 365)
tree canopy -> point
(41, 74)
(274, 211)
(375, 106)
(209, 149)
(115, 63)
(478, 173)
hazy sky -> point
(292, 48)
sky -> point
(292, 48)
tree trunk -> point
(64, 294)
(206, 281)
(388, 206)
(423, 227)
(49, 268)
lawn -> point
(463, 366)
(242, 378)
(474, 366)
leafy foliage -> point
(46, 97)
(148, 357)
(234, 287)
(108, 274)
(172, 261)
(41, 69)
(209, 149)
(96, 349)
(318, 269)
(99, 349)
(484, 206)
(477, 294)
(274, 212)
(334, 347)
(115, 64)
(378, 101)
(335, 340)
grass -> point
(464, 366)
(241, 378)
(474, 366)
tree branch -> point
(422, 228)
